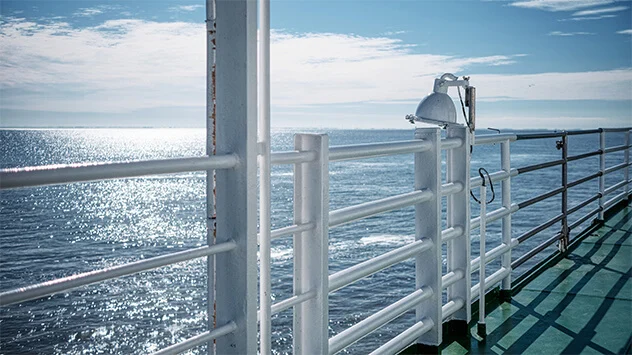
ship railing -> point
(503, 274)
(74, 173)
(312, 221)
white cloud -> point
(588, 18)
(559, 5)
(187, 8)
(87, 12)
(568, 34)
(600, 11)
(393, 33)
(625, 32)
(129, 65)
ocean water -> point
(55, 231)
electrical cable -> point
(491, 185)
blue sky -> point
(339, 64)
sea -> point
(56, 231)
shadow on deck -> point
(581, 304)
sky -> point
(554, 64)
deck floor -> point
(583, 304)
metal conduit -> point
(377, 320)
(350, 275)
(66, 283)
(198, 340)
(61, 174)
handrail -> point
(70, 173)
(494, 138)
(198, 340)
(539, 198)
(377, 320)
(352, 274)
(292, 157)
(528, 255)
(373, 150)
(526, 169)
(401, 341)
(66, 283)
(351, 213)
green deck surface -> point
(582, 304)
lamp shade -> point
(436, 108)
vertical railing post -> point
(428, 266)
(505, 259)
(626, 160)
(458, 215)
(481, 328)
(602, 169)
(311, 252)
(265, 284)
(236, 95)
(563, 242)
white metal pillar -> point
(236, 93)
(458, 215)
(265, 285)
(505, 259)
(602, 169)
(428, 226)
(311, 248)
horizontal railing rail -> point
(63, 174)
(70, 282)
(369, 267)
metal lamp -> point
(438, 108)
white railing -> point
(312, 220)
